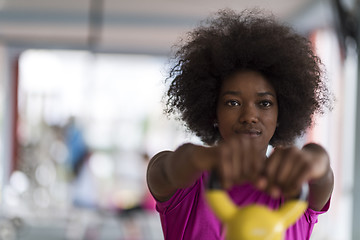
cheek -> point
(224, 125)
(271, 122)
(225, 133)
(226, 116)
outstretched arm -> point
(169, 171)
(235, 161)
(322, 182)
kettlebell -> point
(254, 222)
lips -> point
(252, 132)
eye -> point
(265, 103)
(232, 103)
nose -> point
(248, 114)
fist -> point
(288, 168)
(239, 161)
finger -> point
(260, 181)
(224, 169)
(294, 190)
(257, 163)
(252, 160)
(272, 165)
(319, 161)
(289, 161)
(247, 156)
(299, 175)
(236, 161)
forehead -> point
(247, 80)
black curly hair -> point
(250, 40)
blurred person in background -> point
(83, 185)
(78, 150)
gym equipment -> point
(255, 222)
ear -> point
(215, 123)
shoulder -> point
(159, 155)
(156, 161)
(156, 177)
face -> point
(247, 108)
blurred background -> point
(81, 84)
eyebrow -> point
(238, 93)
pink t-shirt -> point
(187, 216)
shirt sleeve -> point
(312, 215)
(179, 196)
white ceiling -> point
(139, 26)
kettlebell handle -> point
(244, 222)
(214, 183)
(304, 193)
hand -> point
(287, 169)
(238, 161)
